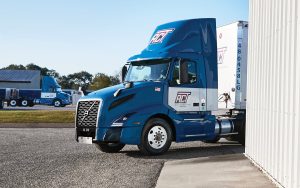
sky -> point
(95, 35)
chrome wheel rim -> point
(157, 137)
(13, 103)
(57, 103)
(24, 103)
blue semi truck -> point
(169, 93)
(49, 94)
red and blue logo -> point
(160, 35)
(182, 97)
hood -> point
(103, 93)
(108, 93)
(184, 38)
(130, 101)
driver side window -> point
(185, 72)
(51, 90)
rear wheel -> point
(24, 103)
(13, 102)
(156, 137)
(110, 147)
(242, 135)
(240, 125)
(1, 104)
(215, 140)
(30, 103)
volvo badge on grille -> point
(85, 114)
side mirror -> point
(171, 83)
(183, 72)
(123, 73)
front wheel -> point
(110, 147)
(57, 103)
(156, 137)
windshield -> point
(151, 70)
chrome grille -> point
(87, 113)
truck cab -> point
(52, 93)
(49, 94)
(168, 94)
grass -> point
(16, 116)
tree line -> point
(81, 79)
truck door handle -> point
(195, 104)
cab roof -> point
(185, 38)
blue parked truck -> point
(49, 94)
(169, 94)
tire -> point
(30, 103)
(24, 103)
(110, 147)
(13, 103)
(212, 141)
(230, 138)
(242, 134)
(240, 128)
(1, 104)
(57, 103)
(156, 137)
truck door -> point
(48, 95)
(187, 96)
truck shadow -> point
(183, 151)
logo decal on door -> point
(182, 97)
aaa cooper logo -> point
(182, 97)
(160, 35)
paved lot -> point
(51, 158)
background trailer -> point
(28, 87)
(21, 79)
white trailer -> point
(232, 43)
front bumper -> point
(66, 102)
(124, 135)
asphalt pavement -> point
(44, 157)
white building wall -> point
(273, 106)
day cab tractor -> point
(169, 93)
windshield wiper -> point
(150, 80)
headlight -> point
(120, 121)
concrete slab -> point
(224, 171)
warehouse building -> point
(21, 79)
(273, 106)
